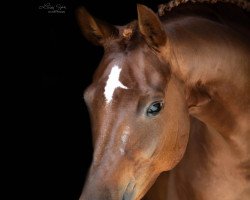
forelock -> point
(129, 39)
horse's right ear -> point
(95, 30)
(150, 27)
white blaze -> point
(113, 83)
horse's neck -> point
(201, 49)
(208, 164)
(209, 144)
(207, 41)
(206, 52)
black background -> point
(67, 65)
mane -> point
(163, 8)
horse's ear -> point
(150, 27)
(95, 30)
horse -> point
(170, 103)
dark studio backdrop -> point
(68, 63)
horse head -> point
(139, 116)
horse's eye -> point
(154, 108)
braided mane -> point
(163, 8)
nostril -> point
(126, 197)
(129, 191)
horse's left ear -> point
(151, 27)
